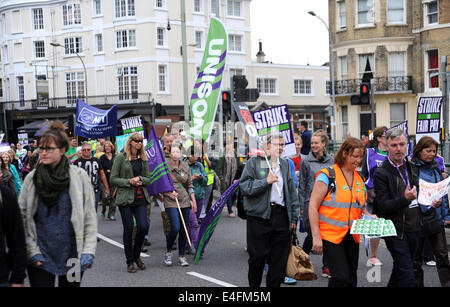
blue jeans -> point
(127, 213)
(98, 196)
(230, 205)
(176, 227)
(402, 252)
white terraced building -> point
(122, 52)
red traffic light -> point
(364, 89)
(226, 96)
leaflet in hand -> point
(373, 228)
(428, 192)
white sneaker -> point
(372, 261)
(431, 263)
(289, 281)
(182, 261)
(168, 258)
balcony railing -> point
(382, 84)
(44, 103)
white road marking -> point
(116, 243)
(210, 279)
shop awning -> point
(38, 124)
(122, 113)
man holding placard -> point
(272, 208)
(395, 184)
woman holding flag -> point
(130, 175)
(178, 204)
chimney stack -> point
(260, 56)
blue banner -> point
(95, 123)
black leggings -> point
(43, 279)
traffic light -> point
(241, 92)
(226, 101)
(159, 110)
(354, 100)
(364, 93)
(252, 94)
(239, 85)
(71, 124)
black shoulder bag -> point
(430, 223)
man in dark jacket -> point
(306, 138)
(13, 252)
(396, 185)
(272, 213)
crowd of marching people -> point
(52, 190)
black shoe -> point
(140, 264)
(131, 269)
(147, 243)
(144, 250)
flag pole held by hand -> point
(184, 224)
(270, 169)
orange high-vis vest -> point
(341, 207)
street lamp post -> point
(445, 94)
(84, 67)
(185, 68)
(184, 58)
(333, 94)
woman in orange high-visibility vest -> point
(332, 211)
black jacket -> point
(390, 202)
(14, 262)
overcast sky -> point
(288, 33)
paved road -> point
(224, 262)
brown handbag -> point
(299, 265)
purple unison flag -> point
(211, 219)
(159, 173)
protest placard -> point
(429, 118)
(278, 119)
(132, 124)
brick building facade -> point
(403, 41)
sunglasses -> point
(138, 141)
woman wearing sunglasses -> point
(130, 175)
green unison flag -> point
(207, 88)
